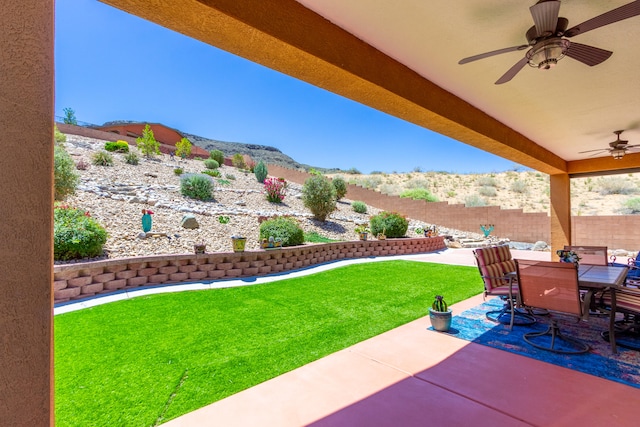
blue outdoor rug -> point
(623, 367)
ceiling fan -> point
(548, 42)
(617, 148)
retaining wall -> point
(82, 280)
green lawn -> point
(146, 360)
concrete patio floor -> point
(410, 376)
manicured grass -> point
(150, 359)
(314, 237)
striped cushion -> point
(626, 300)
(494, 262)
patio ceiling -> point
(541, 119)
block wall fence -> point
(83, 280)
(615, 232)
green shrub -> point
(224, 182)
(633, 205)
(488, 191)
(211, 164)
(314, 237)
(218, 156)
(519, 187)
(196, 186)
(64, 174)
(214, 173)
(487, 181)
(340, 186)
(119, 146)
(353, 171)
(102, 158)
(391, 223)
(319, 196)
(178, 171)
(238, 161)
(59, 136)
(131, 158)
(183, 148)
(359, 207)
(261, 172)
(285, 228)
(76, 235)
(419, 194)
(230, 176)
(474, 201)
(147, 144)
(616, 186)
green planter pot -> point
(440, 320)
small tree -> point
(341, 187)
(147, 144)
(69, 116)
(261, 171)
(183, 148)
(319, 196)
(218, 156)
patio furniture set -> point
(594, 286)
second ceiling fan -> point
(548, 38)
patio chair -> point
(593, 255)
(552, 286)
(626, 332)
(495, 263)
(633, 276)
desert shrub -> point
(147, 144)
(488, 191)
(131, 158)
(519, 186)
(319, 196)
(119, 146)
(285, 228)
(371, 182)
(276, 189)
(178, 171)
(218, 156)
(223, 182)
(390, 189)
(417, 183)
(632, 205)
(359, 207)
(474, 200)
(211, 164)
(214, 173)
(82, 165)
(251, 164)
(261, 172)
(419, 194)
(64, 174)
(102, 158)
(340, 186)
(391, 223)
(238, 161)
(353, 171)
(196, 186)
(230, 176)
(76, 235)
(58, 136)
(616, 186)
(487, 181)
(183, 148)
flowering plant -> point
(276, 189)
(568, 256)
(146, 212)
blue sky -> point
(114, 66)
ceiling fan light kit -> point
(547, 39)
(618, 148)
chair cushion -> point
(494, 262)
(626, 300)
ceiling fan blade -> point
(591, 151)
(588, 54)
(545, 17)
(512, 71)
(492, 53)
(629, 10)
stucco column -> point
(26, 189)
(560, 195)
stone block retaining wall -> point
(83, 280)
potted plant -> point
(440, 315)
(382, 236)
(362, 231)
(238, 243)
(199, 248)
